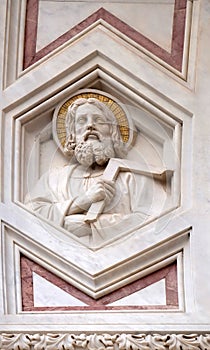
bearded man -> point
(64, 195)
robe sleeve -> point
(47, 199)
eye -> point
(81, 120)
(99, 120)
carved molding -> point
(68, 341)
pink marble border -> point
(32, 11)
(28, 267)
(173, 58)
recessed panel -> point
(71, 13)
(44, 291)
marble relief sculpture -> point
(99, 194)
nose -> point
(90, 124)
(90, 127)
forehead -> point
(88, 108)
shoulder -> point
(58, 171)
(56, 174)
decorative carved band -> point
(67, 341)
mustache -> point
(91, 133)
(99, 152)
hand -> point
(102, 190)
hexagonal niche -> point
(157, 144)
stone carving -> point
(66, 341)
(92, 193)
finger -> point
(109, 182)
(109, 188)
(101, 191)
(108, 197)
(110, 194)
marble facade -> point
(147, 288)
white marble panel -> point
(47, 294)
(151, 81)
(151, 295)
(152, 20)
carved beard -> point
(94, 151)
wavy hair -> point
(70, 144)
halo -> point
(59, 117)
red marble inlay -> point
(28, 267)
(32, 11)
(173, 58)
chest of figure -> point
(80, 183)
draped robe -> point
(137, 199)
